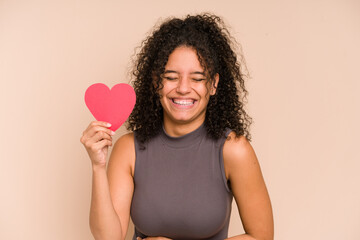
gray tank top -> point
(181, 191)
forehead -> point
(183, 59)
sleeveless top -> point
(181, 191)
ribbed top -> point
(181, 191)
(184, 141)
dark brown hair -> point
(207, 34)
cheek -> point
(163, 95)
(204, 91)
(167, 88)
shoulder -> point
(125, 140)
(123, 153)
(237, 146)
(238, 154)
(124, 144)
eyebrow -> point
(196, 72)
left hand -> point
(153, 238)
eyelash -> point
(199, 79)
(170, 79)
(195, 79)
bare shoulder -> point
(238, 154)
(125, 140)
(123, 153)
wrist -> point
(97, 168)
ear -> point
(214, 84)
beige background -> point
(303, 57)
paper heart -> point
(113, 106)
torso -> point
(195, 183)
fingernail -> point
(108, 124)
(112, 133)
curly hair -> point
(208, 36)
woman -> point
(188, 153)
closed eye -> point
(170, 78)
(199, 79)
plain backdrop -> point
(303, 58)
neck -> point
(178, 129)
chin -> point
(182, 120)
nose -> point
(184, 85)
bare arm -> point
(105, 220)
(249, 190)
(121, 182)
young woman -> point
(188, 153)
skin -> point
(113, 189)
(184, 80)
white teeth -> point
(183, 102)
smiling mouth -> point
(187, 102)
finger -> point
(98, 123)
(89, 133)
(101, 144)
(99, 136)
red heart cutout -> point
(113, 106)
